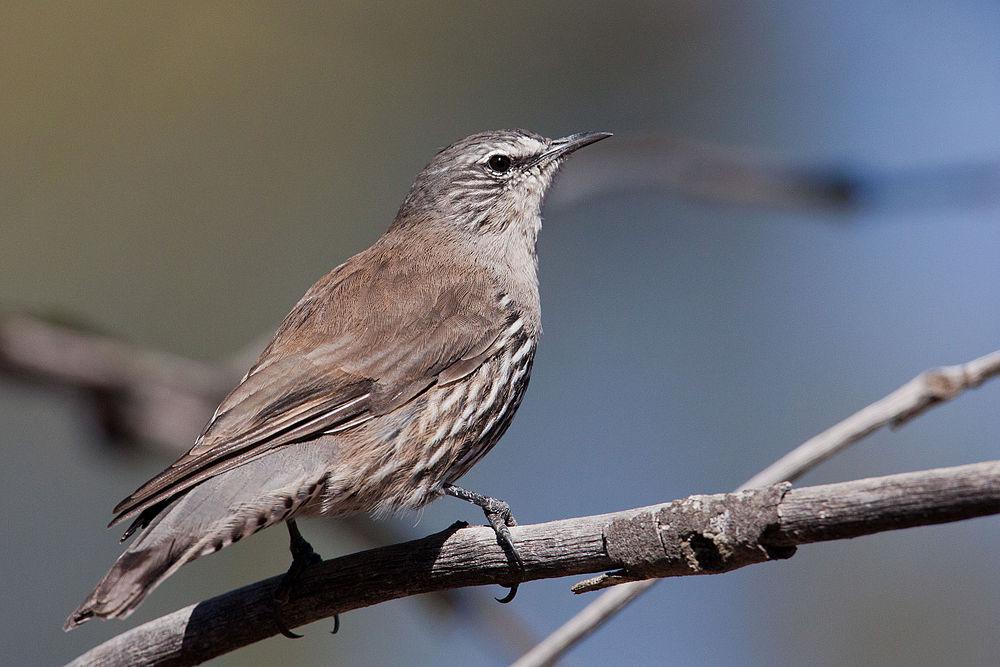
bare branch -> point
(912, 399)
(930, 388)
(697, 535)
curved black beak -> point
(560, 148)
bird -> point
(391, 377)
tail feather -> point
(133, 576)
(207, 519)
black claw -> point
(283, 629)
(500, 519)
(336, 624)
(503, 538)
(510, 595)
(303, 557)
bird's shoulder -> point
(385, 295)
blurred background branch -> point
(703, 171)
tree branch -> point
(706, 534)
(930, 388)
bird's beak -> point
(560, 148)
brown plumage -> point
(391, 377)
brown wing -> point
(346, 353)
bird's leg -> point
(303, 557)
(498, 514)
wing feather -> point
(329, 369)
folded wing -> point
(331, 368)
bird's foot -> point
(501, 519)
(303, 557)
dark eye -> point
(499, 163)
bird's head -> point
(489, 183)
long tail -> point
(134, 575)
(210, 517)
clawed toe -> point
(507, 544)
(501, 520)
(511, 594)
(303, 558)
(499, 508)
(279, 622)
(282, 594)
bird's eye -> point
(499, 163)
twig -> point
(912, 399)
(697, 535)
(930, 388)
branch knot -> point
(696, 535)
